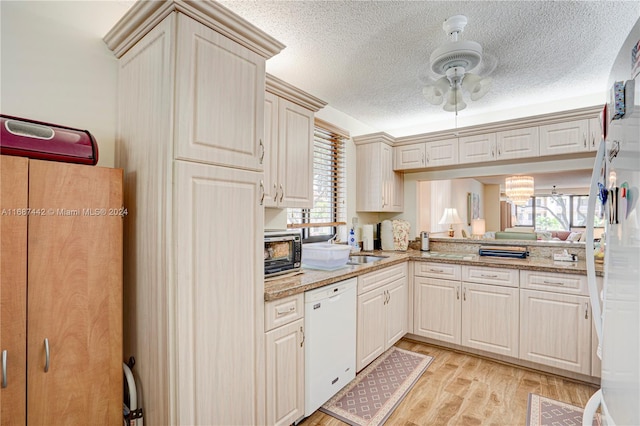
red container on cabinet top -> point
(45, 141)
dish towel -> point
(401, 229)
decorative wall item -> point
(473, 207)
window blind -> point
(329, 205)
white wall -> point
(60, 73)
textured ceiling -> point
(365, 57)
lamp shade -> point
(478, 227)
(450, 217)
(519, 189)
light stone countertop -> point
(310, 279)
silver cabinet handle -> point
(423, 158)
(436, 270)
(464, 293)
(4, 368)
(302, 331)
(46, 354)
(275, 192)
(493, 152)
(281, 192)
(262, 154)
(488, 276)
(553, 282)
(261, 191)
(586, 311)
(457, 293)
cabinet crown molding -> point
(285, 90)
(499, 126)
(144, 15)
(373, 138)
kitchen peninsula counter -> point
(308, 280)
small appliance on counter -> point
(44, 141)
(424, 241)
(504, 251)
(282, 252)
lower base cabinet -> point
(437, 310)
(284, 322)
(382, 312)
(555, 330)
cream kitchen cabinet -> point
(61, 293)
(441, 153)
(284, 326)
(191, 89)
(518, 143)
(437, 311)
(565, 138)
(408, 157)
(477, 148)
(382, 312)
(555, 320)
(490, 309)
(288, 145)
(379, 188)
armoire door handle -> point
(4, 368)
(46, 355)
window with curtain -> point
(329, 206)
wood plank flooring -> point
(463, 389)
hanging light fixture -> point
(451, 64)
(519, 189)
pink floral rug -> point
(377, 390)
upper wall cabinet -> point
(564, 138)
(477, 148)
(518, 143)
(426, 154)
(379, 188)
(211, 68)
(288, 145)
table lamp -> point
(478, 228)
(450, 217)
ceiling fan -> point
(450, 66)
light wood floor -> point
(463, 389)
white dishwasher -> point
(330, 346)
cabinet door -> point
(285, 373)
(442, 153)
(386, 164)
(555, 330)
(295, 155)
(14, 187)
(219, 115)
(437, 309)
(477, 149)
(409, 157)
(564, 138)
(595, 134)
(396, 311)
(270, 160)
(490, 318)
(371, 326)
(520, 143)
(219, 295)
(74, 294)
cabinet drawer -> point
(379, 278)
(446, 271)
(283, 311)
(557, 283)
(484, 275)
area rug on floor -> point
(542, 411)
(377, 390)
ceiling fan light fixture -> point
(476, 85)
(454, 101)
(434, 93)
(454, 60)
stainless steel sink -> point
(359, 260)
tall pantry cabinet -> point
(61, 293)
(191, 142)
